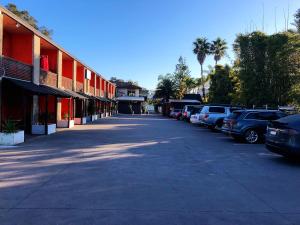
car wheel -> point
(252, 136)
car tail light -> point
(289, 131)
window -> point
(217, 109)
(252, 116)
(268, 116)
(131, 92)
(235, 115)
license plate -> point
(272, 132)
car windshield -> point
(216, 109)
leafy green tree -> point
(202, 49)
(268, 67)
(25, 15)
(221, 85)
(181, 78)
(297, 20)
(218, 49)
(251, 60)
(165, 88)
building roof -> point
(184, 100)
(38, 89)
(130, 98)
(128, 85)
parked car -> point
(212, 116)
(249, 125)
(283, 136)
(189, 110)
(195, 118)
(175, 113)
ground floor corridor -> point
(145, 169)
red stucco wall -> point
(18, 47)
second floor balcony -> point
(15, 69)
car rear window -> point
(235, 115)
(216, 109)
(252, 116)
(234, 109)
(295, 119)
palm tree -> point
(218, 49)
(202, 48)
(165, 87)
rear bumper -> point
(232, 132)
(195, 121)
(282, 149)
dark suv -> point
(249, 125)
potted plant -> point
(66, 122)
(40, 128)
(10, 134)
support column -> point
(1, 47)
(36, 56)
(1, 33)
(59, 82)
(46, 117)
(95, 85)
(74, 74)
(100, 86)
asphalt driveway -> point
(145, 170)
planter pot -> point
(94, 117)
(12, 138)
(40, 129)
(65, 124)
(88, 119)
(80, 120)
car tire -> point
(252, 136)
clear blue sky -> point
(141, 39)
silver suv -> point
(212, 116)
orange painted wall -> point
(102, 84)
(67, 68)
(80, 74)
(65, 107)
(52, 59)
(92, 82)
(18, 47)
(98, 82)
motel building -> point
(42, 86)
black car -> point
(249, 125)
(283, 136)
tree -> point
(181, 78)
(297, 20)
(221, 85)
(268, 67)
(25, 15)
(165, 88)
(201, 49)
(218, 49)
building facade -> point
(42, 84)
(128, 97)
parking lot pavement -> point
(145, 170)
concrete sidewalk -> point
(145, 170)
